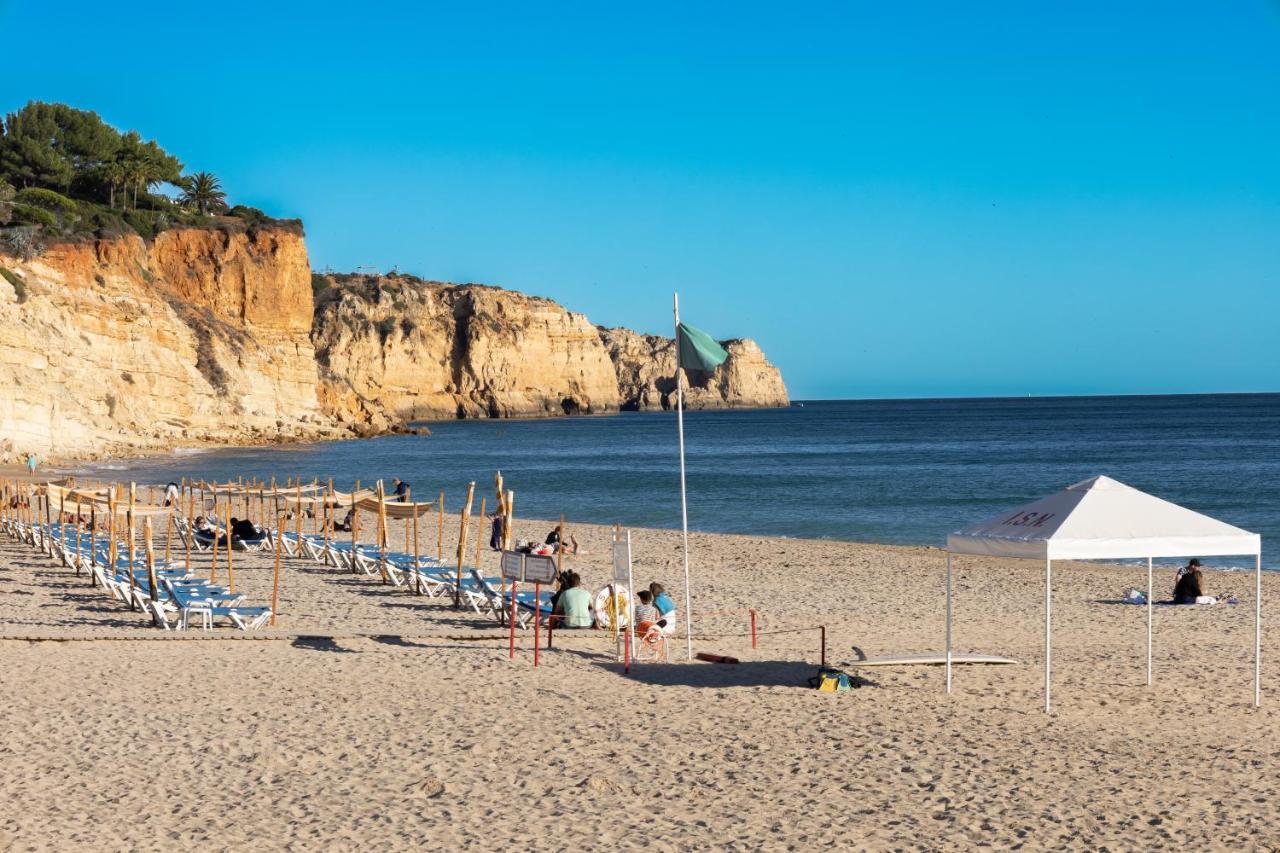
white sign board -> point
(622, 558)
(512, 565)
(539, 568)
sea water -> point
(890, 471)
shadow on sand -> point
(765, 673)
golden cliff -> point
(396, 349)
(119, 346)
(213, 336)
(393, 349)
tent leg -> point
(1149, 607)
(948, 621)
(1048, 619)
(1257, 631)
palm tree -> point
(203, 191)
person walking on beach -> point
(31, 464)
(171, 494)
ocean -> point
(886, 471)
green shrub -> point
(319, 284)
(26, 214)
(251, 215)
(49, 200)
(148, 223)
(385, 327)
(19, 286)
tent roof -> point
(1102, 518)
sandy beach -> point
(373, 717)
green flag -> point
(698, 350)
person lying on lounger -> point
(243, 528)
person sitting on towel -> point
(573, 606)
(570, 545)
(345, 524)
(1190, 585)
(666, 608)
(242, 528)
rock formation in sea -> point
(204, 336)
(646, 367)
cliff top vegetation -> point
(67, 174)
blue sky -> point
(893, 199)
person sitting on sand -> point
(666, 608)
(243, 528)
(573, 606)
(1190, 585)
(644, 610)
(347, 521)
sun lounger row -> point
(421, 574)
(179, 598)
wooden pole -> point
(408, 496)
(213, 563)
(440, 530)
(231, 573)
(382, 532)
(132, 492)
(560, 545)
(168, 535)
(507, 533)
(151, 567)
(275, 579)
(417, 575)
(479, 533)
(78, 536)
(355, 526)
(464, 518)
(191, 507)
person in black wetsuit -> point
(1190, 585)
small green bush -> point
(148, 223)
(26, 214)
(48, 200)
(251, 215)
(19, 286)
(385, 327)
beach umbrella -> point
(696, 349)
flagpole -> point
(684, 503)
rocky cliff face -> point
(646, 367)
(209, 336)
(118, 346)
(396, 348)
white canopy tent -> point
(1101, 518)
